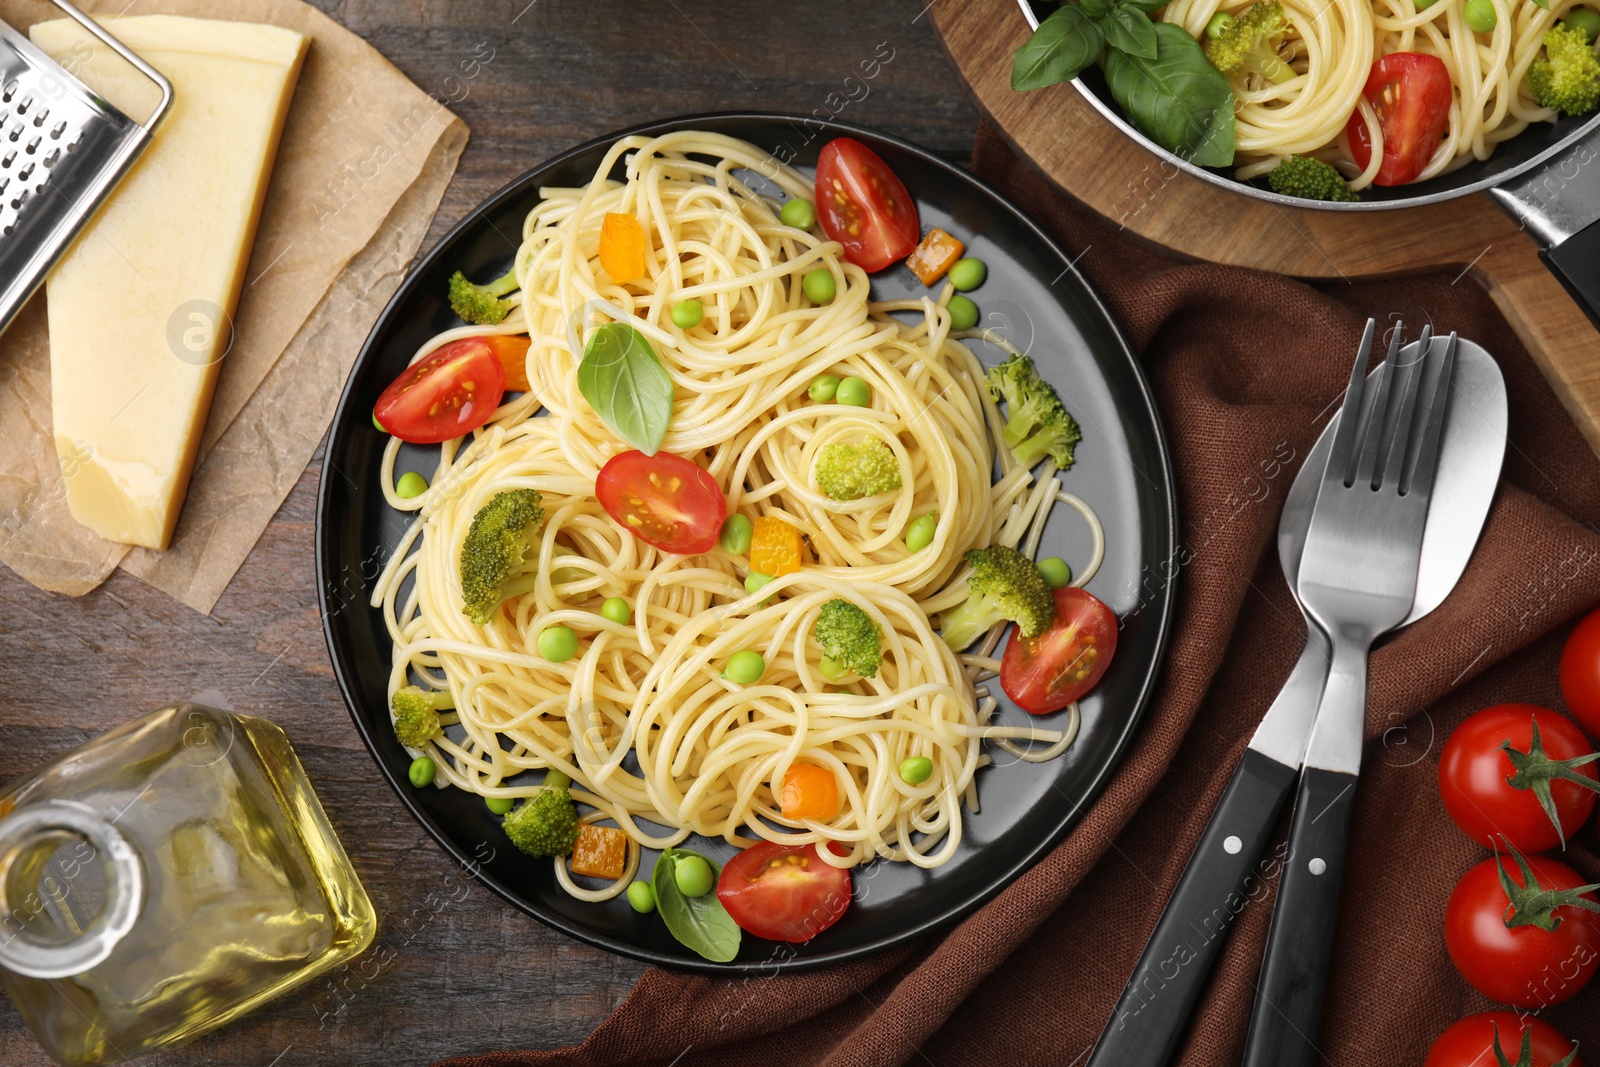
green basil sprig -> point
(624, 382)
(700, 923)
(1157, 73)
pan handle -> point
(1559, 204)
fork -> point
(1358, 577)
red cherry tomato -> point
(1580, 672)
(863, 205)
(783, 892)
(1470, 1042)
(1525, 967)
(664, 500)
(1412, 93)
(1046, 673)
(447, 393)
(1473, 773)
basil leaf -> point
(1063, 45)
(623, 380)
(1127, 29)
(1177, 98)
(1149, 7)
(699, 923)
(1095, 8)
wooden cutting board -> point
(1071, 143)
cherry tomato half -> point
(664, 500)
(447, 393)
(1046, 673)
(864, 206)
(1412, 93)
(783, 892)
(1473, 773)
(1470, 1042)
(1525, 967)
(1580, 672)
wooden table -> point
(468, 972)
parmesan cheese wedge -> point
(139, 309)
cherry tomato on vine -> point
(664, 500)
(1507, 773)
(783, 892)
(1580, 673)
(1526, 942)
(1470, 1042)
(863, 205)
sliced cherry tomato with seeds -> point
(448, 393)
(784, 892)
(664, 500)
(1047, 673)
(863, 205)
(1411, 93)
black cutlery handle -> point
(1156, 1004)
(1576, 264)
(1294, 972)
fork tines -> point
(1382, 427)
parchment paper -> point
(364, 161)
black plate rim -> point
(323, 543)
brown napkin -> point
(1245, 366)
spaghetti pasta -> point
(653, 736)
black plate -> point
(1123, 471)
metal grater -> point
(62, 150)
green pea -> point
(379, 426)
(916, 770)
(963, 313)
(820, 286)
(410, 485)
(642, 898)
(799, 213)
(693, 875)
(616, 610)
(686, 314)
(1222, 20)
(755, 581)
(1480, 15)
(854, 392)
(968, 273)
(1055, 572)
(919, 535)
(557, 643)
(736, 534)
(823, 388)
(422, 771)
(1586, 19)
(745, 667)
(500, 805)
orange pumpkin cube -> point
(600, 852)
(622, 247)
(937, 253)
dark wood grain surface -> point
(465, 971)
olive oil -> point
(166, 878)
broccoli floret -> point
(1037, 424)
(850, 472)
(1247, 44)
(546, 824)
(1310, 178)
(1566, 77)
(850, 640)
(416, 714)
(500, 556)
(1004, 584)
(481, 305)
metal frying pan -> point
(1543, 178)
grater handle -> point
(132, 57)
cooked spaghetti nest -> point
(1332, 45)
(641, 719)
